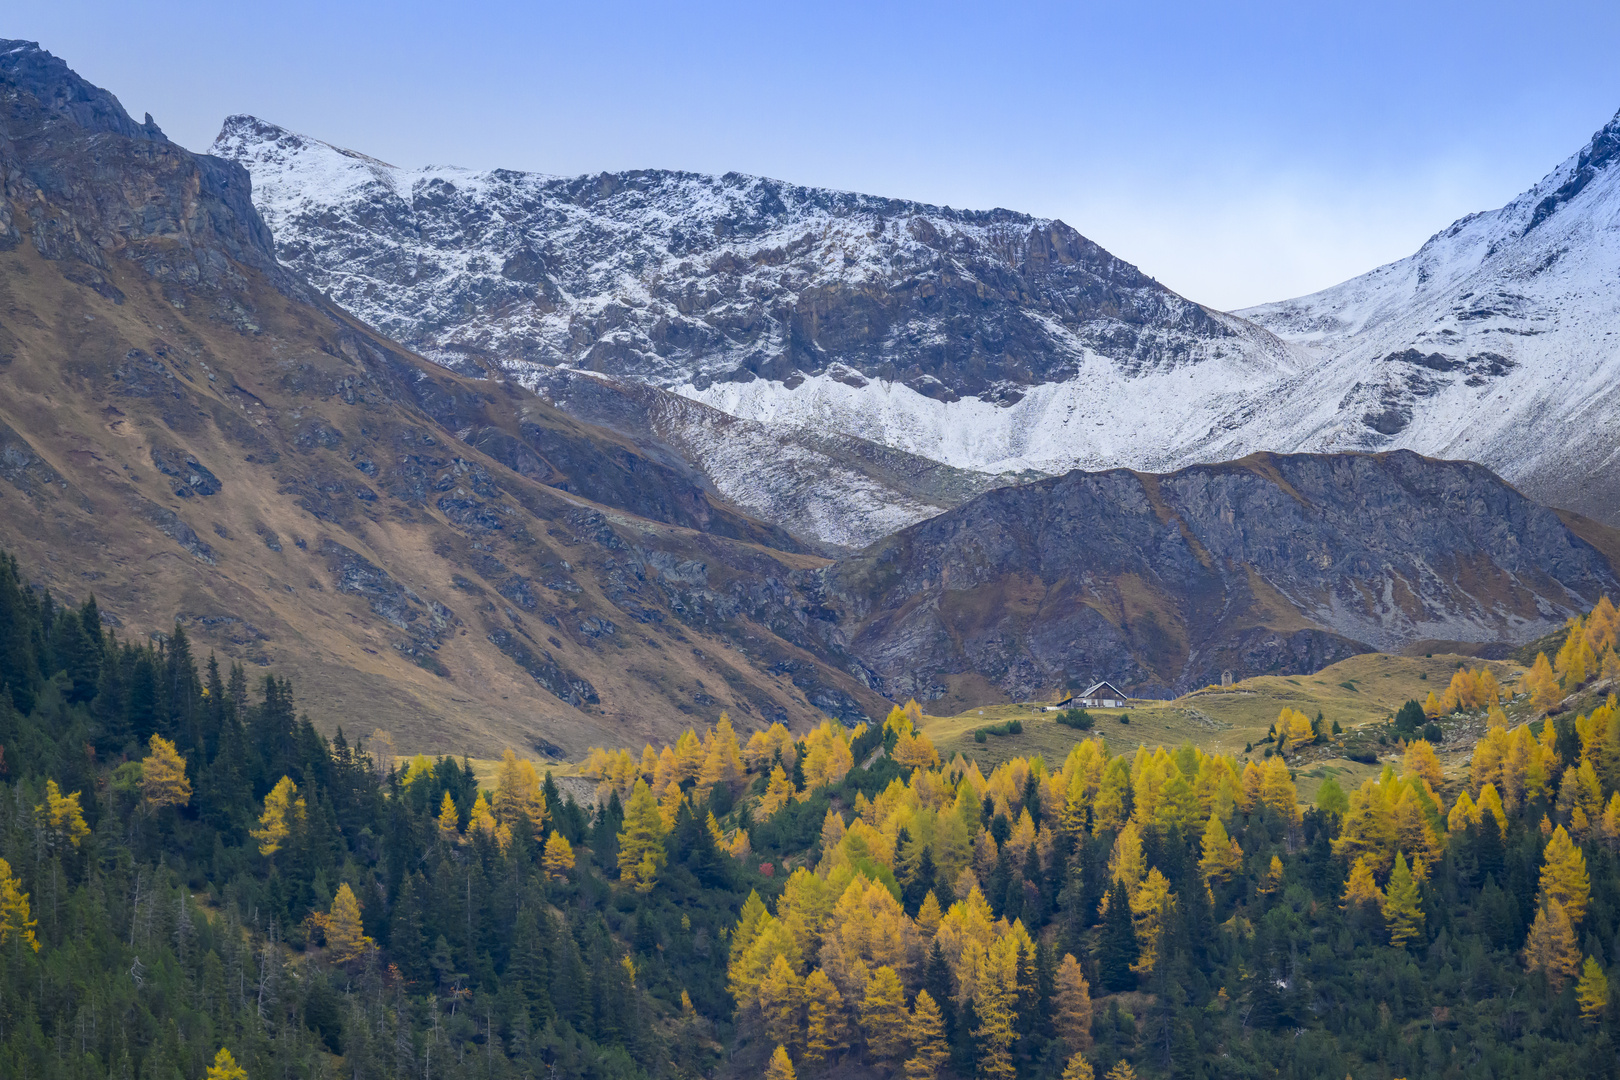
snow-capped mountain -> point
(986, 340)
(1498, 341)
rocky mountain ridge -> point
(1270, 564)
(990, 342)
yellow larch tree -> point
(1463, 814)
(1293, 730)
(60, 819)
(1121, 1071)
(778, 793)
(283, 808)
(1431, 705)
(1126, 863)
(1362, 888)
(481, 822)
(995, 991)
(558, 859)
(1550, 948)
(1575, 660)
(1411, 821)
(1581, 790)
(449, 820)
(1403, 907)
(927, 1033)
(884, 1016)
(1222, 859)
(827, 759)
(1421, 763)
(1078, 1068)
(345, 935)
(669, 804)
(688, 756)
(1369, 827)
(1564, 877)
(781, 1066)
(915, 751)
(1277, 790)
(518, 794)
(780, 997)
(419, 767)
(163, 775)
(225, 1067)
(1150, 907)
(16, 923)
(929, 916)
(825, 1030)
(667, 771)
(1610, 822)
(750, 922)
(1490, 802)
(1071, 1014)
(1542, 684)
(641, 843)
(1592, 991)
(1273, 879)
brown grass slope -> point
(194, 435)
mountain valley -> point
(489, 548)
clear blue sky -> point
(1238, 152)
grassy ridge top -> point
(1362, 690)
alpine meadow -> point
(482, 625)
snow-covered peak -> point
(1498, 340)
(680, 278)
(988, 340)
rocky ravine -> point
(842, 491)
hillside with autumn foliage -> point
(194, 882)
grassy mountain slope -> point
(193, 434)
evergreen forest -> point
(196, 881)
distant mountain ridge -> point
(987, 341)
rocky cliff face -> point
(1272, 564)
(65, 158)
